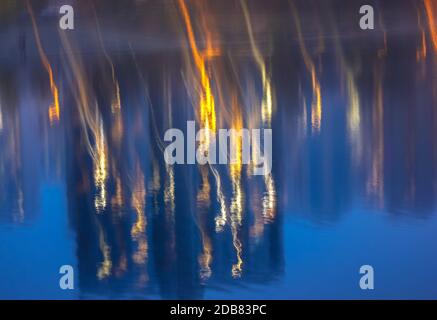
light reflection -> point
(54, 110)
(139, 227)
(421, 50)
(100, 169)
(316, 104)
(235, 231)
(267, 97)
(105, 267)
(206, 98)
(116, 101)
(204, 202)
(91, 120)
(431, 13)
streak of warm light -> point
(101, 169)
(138, 231)
(169, 190)
(207, 121)
(267, 99)
(353, 116)
(431, 13)
(54, 109)
(236, 209)
(316, 105)
(206, 104)
(116, 101)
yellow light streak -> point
(54, 109)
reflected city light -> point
(92, 186)
(54, 110)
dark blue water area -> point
(354, 156)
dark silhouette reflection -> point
(83, 116)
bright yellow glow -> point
(54, 110)
(354, 117)
(100, 170)
(207, 104)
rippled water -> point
(83, 181)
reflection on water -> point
(82, 174)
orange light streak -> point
(54, 110)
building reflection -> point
(146, 229)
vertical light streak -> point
(116, 101)
(90, 119)
(207, 122)
(431, 13)
(316, 105)
(236, 208)
(100, 169)
(354, 118)
(353, 113)
(267, 98)
(422, 50)
(54, 109)
(207, 104)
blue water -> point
(353, 180)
